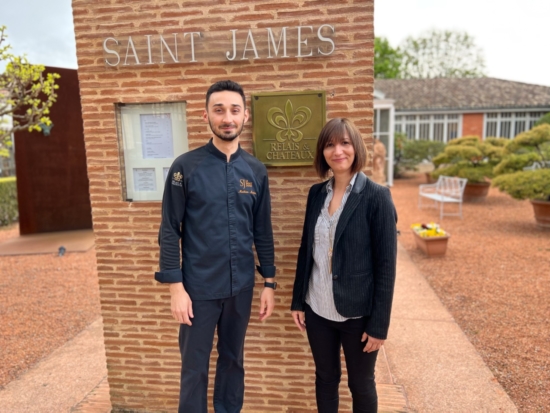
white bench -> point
(447, 189)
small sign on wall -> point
(286, 126)
(151, 136)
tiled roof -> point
(462, 94)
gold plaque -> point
(286, 126)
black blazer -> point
(364, 254)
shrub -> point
(469, 157)
(531, 150)
(409, 153)
(8, 201)
(418, 151)
(543, 120)
(525, 184)
(400, 164)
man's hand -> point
(373, 344)
(299, 319)
(181, 304)
(267, 303)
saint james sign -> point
(232, 45)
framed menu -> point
(151, 136)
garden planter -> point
(432, 246)
(476, 191)
(429, 178)
(542, 212)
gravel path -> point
(495, 280)
(46, 300)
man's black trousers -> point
(230, 316)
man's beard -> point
(227, 138)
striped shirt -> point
(319, 294)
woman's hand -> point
(299, 319)
(373, 344)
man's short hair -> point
(224, 85)
(334, 131)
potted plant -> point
(469, 157)
(431, 239)
(524, 172)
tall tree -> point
(387, 60)
(442, 53)
(26, 96)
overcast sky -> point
(513, 34)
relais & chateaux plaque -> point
(286, 126)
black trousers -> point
(326, 337)
(230, 316)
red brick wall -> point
(472, 124)
(140, 335)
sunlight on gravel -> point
(495, 280)
(46, 300)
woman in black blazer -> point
(346, 269)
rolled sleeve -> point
(169, 276)
(267, 271)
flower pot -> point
(476, 191)
(429, 178)
(432, 246)
(542, 212)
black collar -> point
(219, 154)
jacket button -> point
(334, 277)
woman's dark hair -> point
(224, 85)
(334, 131)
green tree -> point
(26, 95)
(387, 60)
(442, 53)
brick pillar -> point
(140, 335)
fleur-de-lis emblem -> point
(178, 177)
(289, 122)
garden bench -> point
(537, 165)
(447, 189)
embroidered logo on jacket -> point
(245, 185)
(177, 178)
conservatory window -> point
(509, 124)
(440, 127)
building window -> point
(441, 127)
(509, 124)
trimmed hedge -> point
(8, 201)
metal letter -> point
(162, 41)
(110, 51)
(325, 39)
(149, 48)
(304, 42)
(234, 46)
(131, 43)
(253, 46)
(271, 38)
(192, 44)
